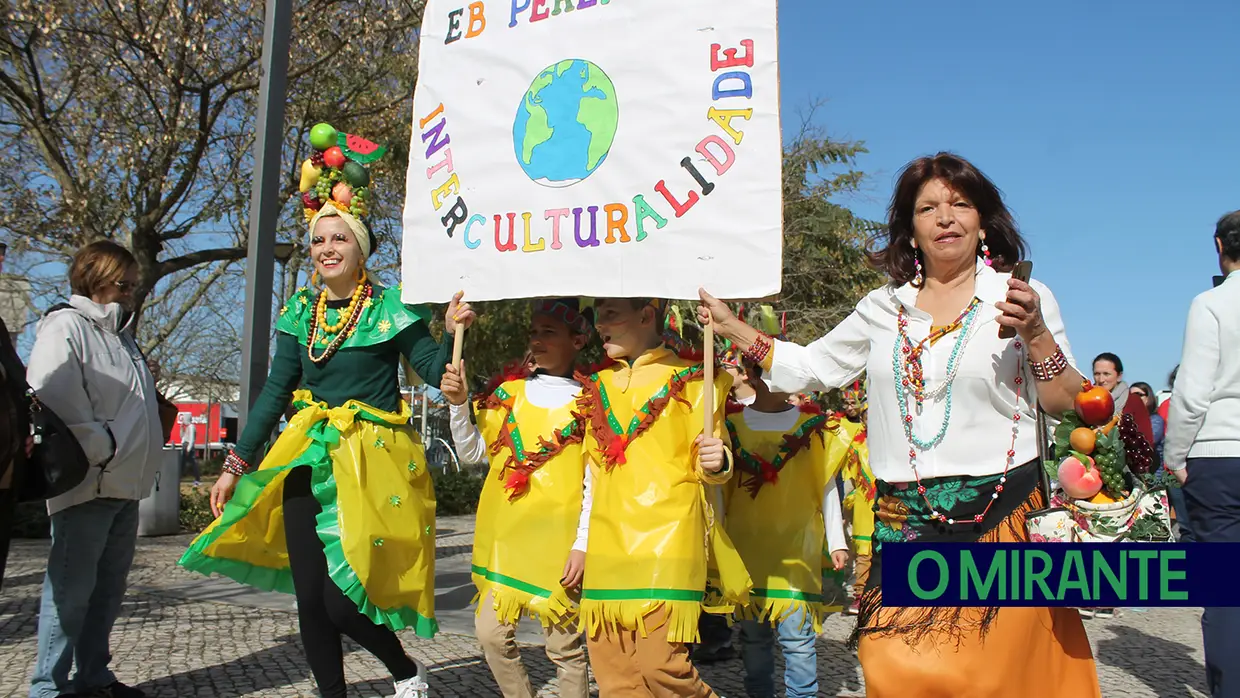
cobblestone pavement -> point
(182, 635)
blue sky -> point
(1113, 128)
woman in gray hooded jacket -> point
(86, 366)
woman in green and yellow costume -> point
(341, 511)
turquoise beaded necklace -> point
(905, 346)
(906, 364)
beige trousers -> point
(862, 569)
(627, 665)
(565, 648)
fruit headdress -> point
(674, 328)
(335, 180)
(856, 391)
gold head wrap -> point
(360, 232)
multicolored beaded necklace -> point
(907, 368)
(906, 361)
(318, 323)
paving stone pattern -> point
(182, 635)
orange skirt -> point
(1023, 653)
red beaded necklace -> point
(1011, 454)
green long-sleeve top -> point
(364, 368)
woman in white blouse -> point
(952, 432)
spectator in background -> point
(189, 440)
(1203, 440)
(1158, 427)
(1109, 374)
(87, 368)
(1164, 398)
(15, 440)
(1175, 494)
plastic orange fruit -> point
(1102, 498)
(1083, 439)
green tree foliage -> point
(825, 268)
(135, 121)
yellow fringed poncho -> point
(775, 510)
(651, 527)
(859, 502)
(527, 520)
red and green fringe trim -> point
(757, 471)
(860, 437)
(521, 463)
(515, 370)
(605, 428)
(862, 481)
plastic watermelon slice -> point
(359, 149)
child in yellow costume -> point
(781, 505)
(651, 528)
(859, 504)
(534, 510)
(341, 511)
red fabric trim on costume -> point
(614, 445)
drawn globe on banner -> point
(566, 123)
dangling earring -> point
(361, 275)
(918, 279)
(985, 250)
(315, 280)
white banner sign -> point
(605, 148)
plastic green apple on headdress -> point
(337, 174)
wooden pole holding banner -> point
(458, 346)
(708, 375)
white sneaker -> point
(412, 688)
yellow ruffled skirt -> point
(378, 520)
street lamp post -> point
(264, 202)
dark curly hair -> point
(897, 258)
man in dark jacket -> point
(15, 441)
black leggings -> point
(323, 611)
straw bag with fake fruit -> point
(1108, 484)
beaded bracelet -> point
(1050, 367)
(233, 464)
(759, 349)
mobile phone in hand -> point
(1023, 271)
(1218, 281)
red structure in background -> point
(210, 430)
